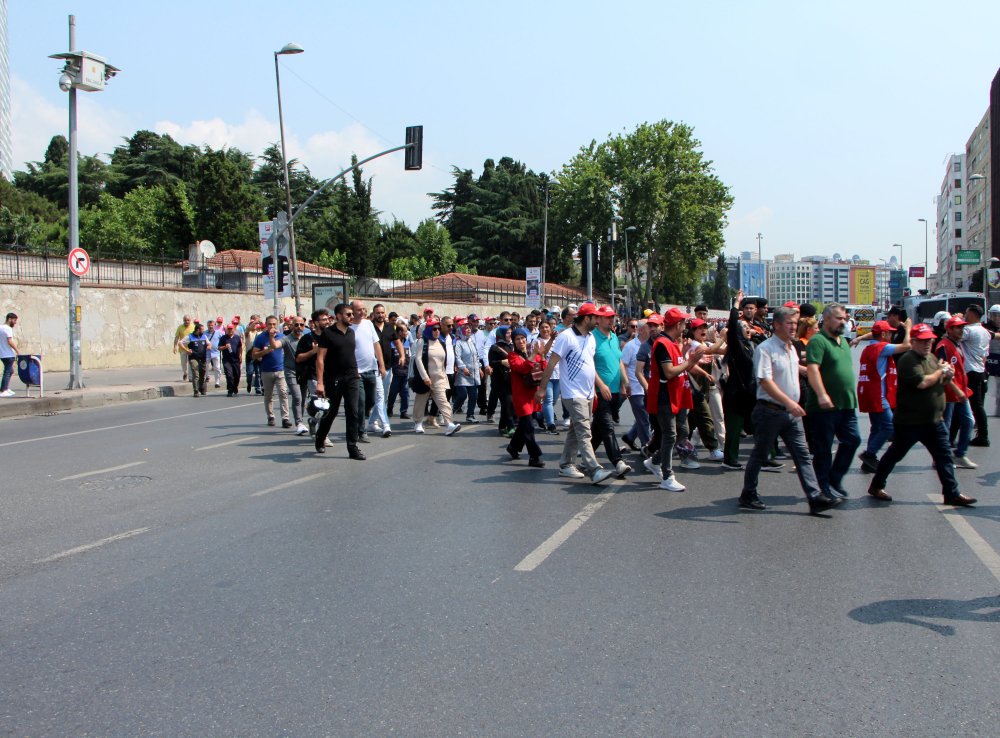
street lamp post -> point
(290, 48)
(545, 235)
(87, 72)
(628, 274)
(927, 266)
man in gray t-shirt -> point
(777, 413)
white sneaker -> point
(301, 430)
(376, 426)
(7, 393)
(328, 442)
(565, 423)
(621, 469)
(652, 468)
(672, 485)
(690, 463)
(600, 475)
(964, 462)
(452, 429)
(418, 428)
(571, 472)
(386, 432)
(716, 455)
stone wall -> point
(135, 326)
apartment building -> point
(951, 225)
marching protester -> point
(429, 378)
(919, 418)
(371, 367)
(213, 363)
(639, 432)
(976, 347)
(195, 347)
(289, 347)
(957, 392)
(993, 358)
(231, 349)
(468, 371)
(611, 381)
(777, 414)
(739, 393)
(253, 330)
(337, 378)
(400, 362)
(877, 388)
(185, 329)
(700, 416)
(500, 378)
(525, 373)
(267, 352)
(546, 338)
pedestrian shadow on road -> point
(715, 512)
(989, 479)
(919, 612)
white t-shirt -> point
(976, 345)
(6, 332)
(629, 355)
(365, 339)
(576, 364)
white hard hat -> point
(994, 309)
(941, 317)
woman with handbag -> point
(501, 379)
(429, 378)
(525, 372)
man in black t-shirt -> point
(305, 354)
(337, 378)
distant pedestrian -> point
(919, 417)
(337, 379)
(213, 365)
(289, 347)
(267, 350)
(976, 346)
(957, 393)
(8, 353)
(195, 347)
(231, 349)
(183, 330)
(525, 373)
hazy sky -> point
(831, 122)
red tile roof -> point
(249, 261)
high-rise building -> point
(6, 113)
(788, 279)
(952, 225)
(977, 210)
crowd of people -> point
(696, 387)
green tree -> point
(148, 159)
(717, 293)
(226, 205)
(657, 180)
(50, 177)
(32, 221)
(148, 220)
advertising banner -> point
(533, 287)
(917, 272)
(862, 286)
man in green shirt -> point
(611, 381)
(831, 404)
(921, 379)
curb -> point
(13, 408)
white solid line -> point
(383, 454)
(101, 471)
(536, 557)
(983, 551)
(90, 546)
(226, 443)
(125, 425)
(286, 485)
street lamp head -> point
(977, 177)
(921, 220)
(631, 229)
(290, 48)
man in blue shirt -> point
(267, 350)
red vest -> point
(948, 351)
(870, 381)
(679, 388)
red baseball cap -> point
(428, 310)
(922, 332)
(881, 327)
(587, 308)
(604, 311)
(698, 323)
(674, 316)
(655, 319)
(956, 321)
(431, 323)
(219, 320)
(792, 304)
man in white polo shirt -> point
(778, 413)
(573, 351)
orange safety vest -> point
(870, 381)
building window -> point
(958, 166)
(958, 233)
(958, 199)
(958, 184)
(958, 217)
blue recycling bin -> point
(29, 370)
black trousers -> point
(978, 383)
(233, 370)
(344, 389)
(603, 427)
(934, 436)
(524, 436)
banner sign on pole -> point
(917, 272)
(533, 287)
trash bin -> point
(29, 371)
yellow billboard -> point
(862, 289)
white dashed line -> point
(92, 546)
(286, 485)
(101, 471)
(226, 443)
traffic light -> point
(414, 155)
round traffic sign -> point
(79, 261)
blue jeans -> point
(366, 398)
(827, 425)
(8, 371)
(398, 387)
(881, 431)
(965, 423)
(548, 405)
(640, 429)
(768, 424)
(934, 436)
(460, 394)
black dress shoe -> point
(320, 448)
(984, 442)
(960, 500)
(879, 494)
(514, 455)
(821, 502)
(627, 442)
(537, 463)
(356, 454)
(752, 503)
(869, 462)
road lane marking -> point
(383, 454)
(92, 546)
(286, 485)
(101, 471)
(126, 425)
(536, 557)
(226, 443)
(983, 551)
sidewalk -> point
(101, 387)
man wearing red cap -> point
(957, 394)
(877, 388)
(919, 417)
(573, 350)
(669, 394)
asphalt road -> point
(176, 568)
